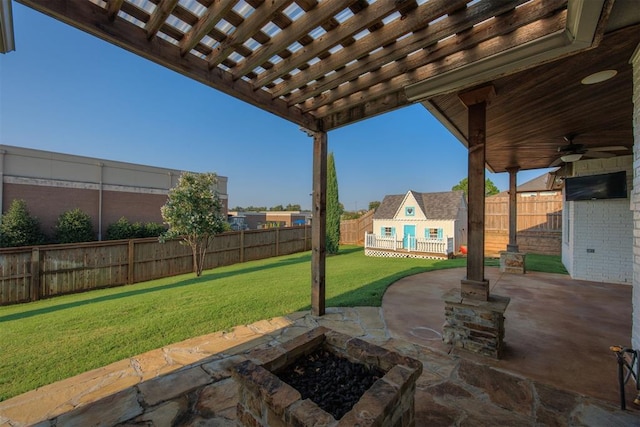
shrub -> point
(74, 226)
(121, 229)
(153, 229)
(18, 227)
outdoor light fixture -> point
(570, 158)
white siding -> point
(635, 199)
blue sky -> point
(63, 90)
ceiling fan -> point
(572, 152)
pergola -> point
(503, 76)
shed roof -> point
(441, 205)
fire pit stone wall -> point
(265, 400)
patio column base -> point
(512, 262)
(474, 325)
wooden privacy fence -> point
(352, 231)
(539, 224)
(32, 273)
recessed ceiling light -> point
(598, 77)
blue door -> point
(409, 239)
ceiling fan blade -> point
(556, 162)
(609, 148)
(598, 154)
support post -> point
(319, 223)
(512, 260)
(131, 259)
(241, 245)
(513, 210)
(474, 320)
(35, 274)
(2, 153)
(475, 286)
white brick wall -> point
(635, 199)
(602, 241)
(600, 246)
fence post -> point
(131, 262)
(277, 241)
(241, 245)
(35, 274)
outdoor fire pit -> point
(327, 378)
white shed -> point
(427, 225)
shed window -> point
(434, 233)
(388, 231)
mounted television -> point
(594, 187)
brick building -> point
(52, 183)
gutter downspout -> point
(100, 188)
(2, 153)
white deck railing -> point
(412, 244)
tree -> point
(18, 227)
(334, 210)
(374, 205)
(489, 187)
(74, 226)
(193, 212)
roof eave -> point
(7, 41)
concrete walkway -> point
(189, 384)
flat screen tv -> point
(594, 187)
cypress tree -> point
(334, 210)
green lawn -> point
(45, 341)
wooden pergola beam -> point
(211, 17)
(113, 8)
(159, 15)
(288, 36)
(393, 61)
(333, 115)
(352, 26)
(385, 35)
(93, 20)
(258, 19)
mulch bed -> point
(335, 384)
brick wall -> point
(133, 206)
(602, 249)
(47, 203)
(635, 199)
(52, 183)
(598, 242)
(537, 242)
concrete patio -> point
(558, 369)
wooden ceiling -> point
(326, 64)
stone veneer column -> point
(635, 198)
